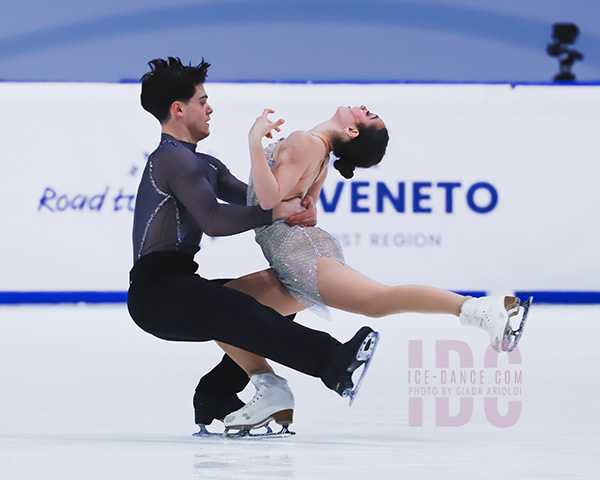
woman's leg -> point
(268, 290)
(346, 289)
(265, 287)
(251, 364)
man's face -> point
(197, 114)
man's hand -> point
(308, 218)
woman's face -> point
(359, 116)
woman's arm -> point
(294, 157)
(315, 189)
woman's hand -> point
(307, 218)
(288, 209)
(263, 127)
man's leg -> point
(167, 300)
(216, 393)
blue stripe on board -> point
(561, 298)
(34, 298)
(470, 293)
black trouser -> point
(167, 299)
(216, 394)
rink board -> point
(484, 187)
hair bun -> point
(346, 170)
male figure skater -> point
(176, 203)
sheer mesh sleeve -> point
(188, 180)
(230, 188)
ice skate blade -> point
(366, 348)
(512, 336)
(283, 417)
(247, 433)
(244, 433)
(364, 355)
(203, 432)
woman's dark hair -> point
(364, 151)
(169, 81)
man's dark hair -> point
(169, 81)
(363, 151)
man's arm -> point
(186, 181)
(230, 189)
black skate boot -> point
(209, 407)
(216, 394)
(346, 359)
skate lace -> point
(480, 317)
(484, 320)
(257, 396)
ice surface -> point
(87, 395)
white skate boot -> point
(273, 401)
(493, 314)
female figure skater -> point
(310, 262)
